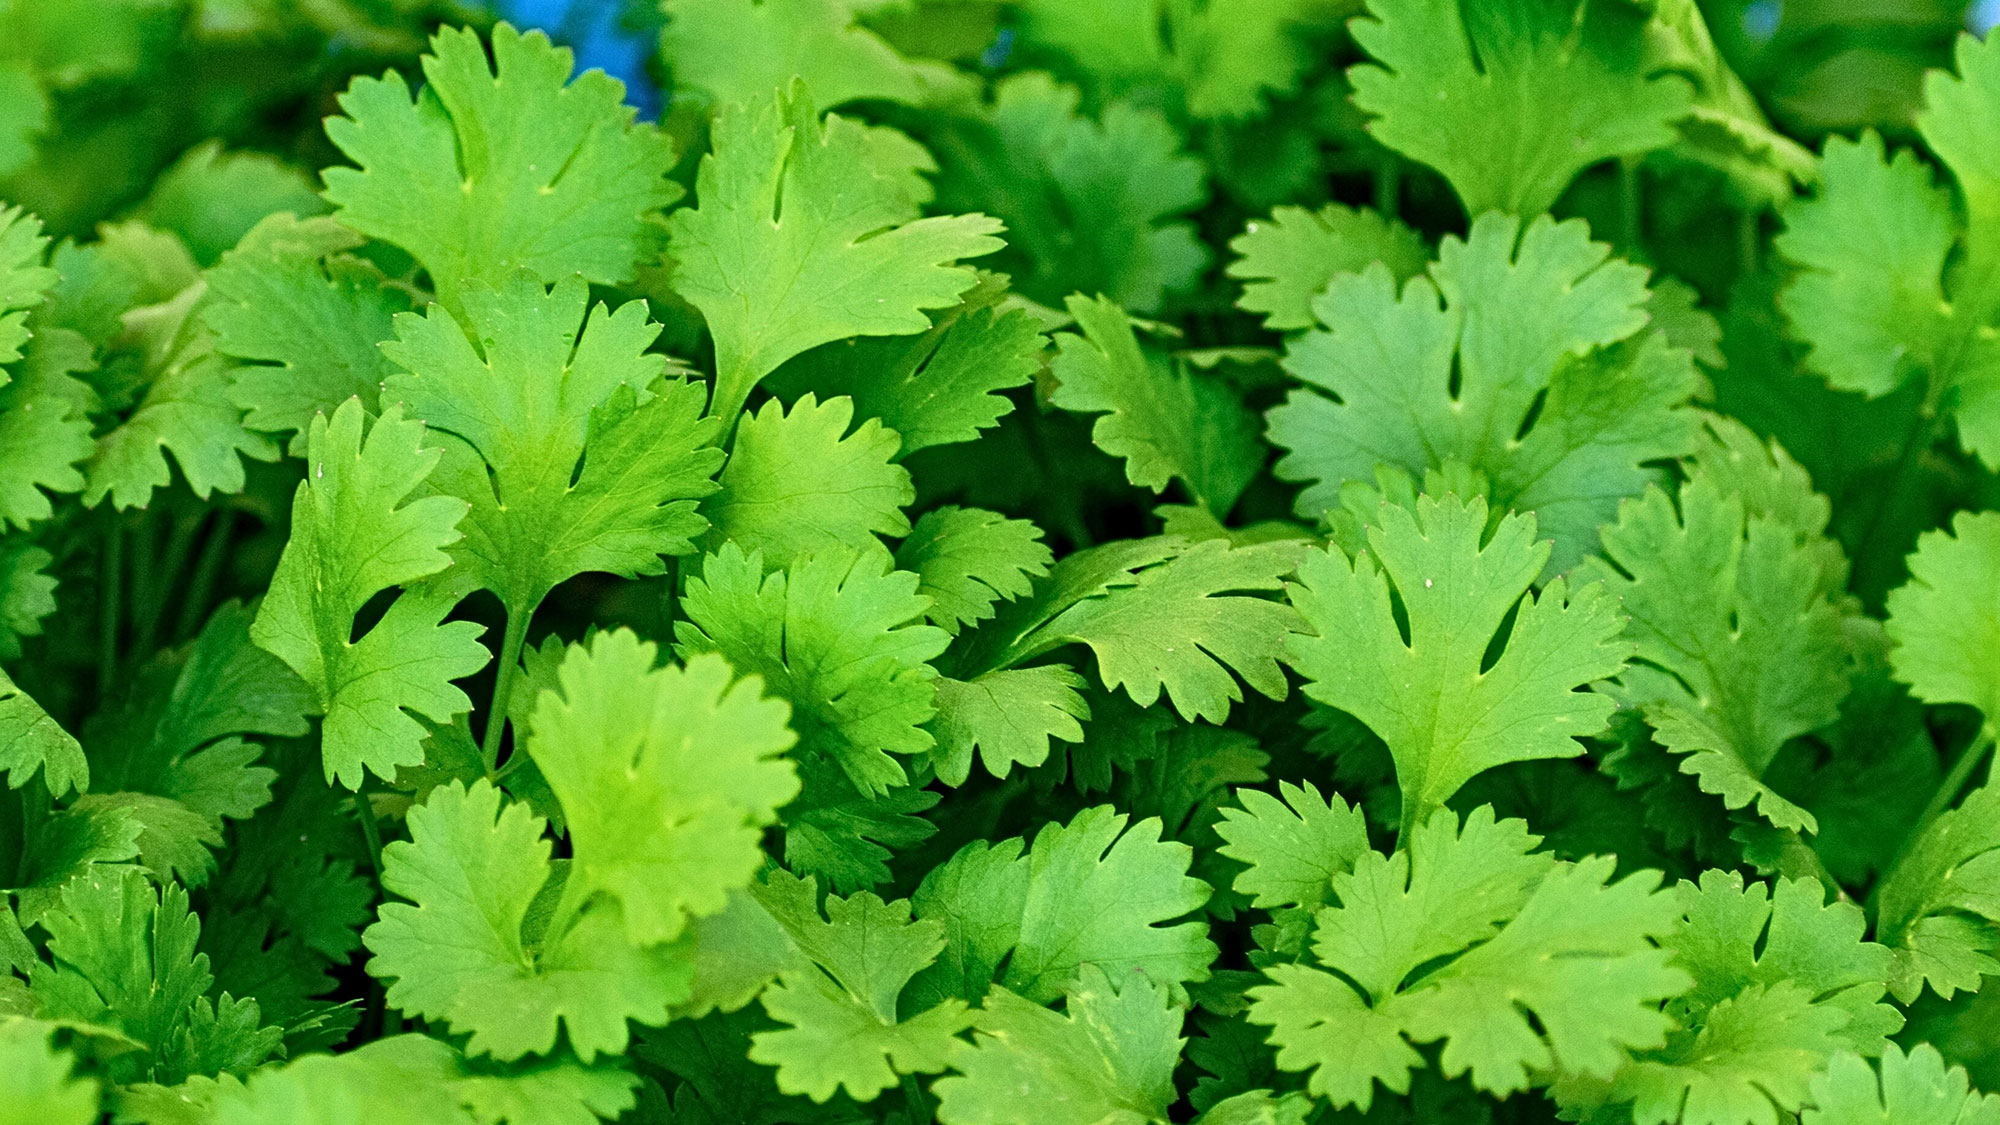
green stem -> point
(917, 1106)
(1954, 782)
(164, 578)
(111, 581)
(1389, 186)
(364, 811)
(1922, 429)
(1631, 202)
(207, 569)
(503, 685)
(1749, 241)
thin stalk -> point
(1922, 429)
(1749, 241)
(111, 583)
(1389, 186)
(371, 832)
(1954, 782)
(1631, 204)
(164, 577)
(503, 685)
(207, 569)
(917, 1105)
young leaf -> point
(736, 50)
(1938, 909)
(842, 1027)
(1109, 1056)
(1510, 100)
(807, 232)
(1533, 369)
(838, 637)
(1294, 848)
(31, 741)
(1740, 641)
(1525, 934)
(1914, 1089)
(1946, 619)
(464, 954)
(1446, 710)
(1006, 716)
(494, 168)
(1164, 421)
(581, 459)
(667, 778)
(1287, 260)
(798, 483)
(353, 537)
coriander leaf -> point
(186, 410)
(418, 1078)
(841, 1020)
(65, 848)
(1287, 260)
(353, 537)
(123, 957)
(462, 954)
(25, 278)
(1938, 909)
(30, 740)
(1739, 640)
(836, 635)
(1525, 934)
(1946, 619)
(979, 895)
(1914, 1089)
(1006, 716)
(836, 831)
(573, 454)
(1163, 420)
(1094, 206)
(1782, 981)
(40, 1085)
(967, 559)
(1447, 710)
(737, 50)
(1510, 100)
(1293, 848)
(27, 593)
(1521, 355)
(667, 778)
(935, 388)
(806, 232)
(213, 198)
(1109, 1057)
(308, 315)
(1875, 299)
(798, 483)
(495, 168)
(1159, 614)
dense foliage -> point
(1003, 561)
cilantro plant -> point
(999, 562)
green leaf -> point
(967, 559)
(1895, 286)
(1782, 982)
(40, 1085)
(213, 198)
(1164, 420)
(1287, 260)
(1447, 710)
(464, 953)
(1093, 204)
(1159, 614)
(30, 740)
(352, 538)
(838, 636)
(1946, 619)
(841, 1020)
(1109, 1057)
(1524, 934)
(412, 1078)
(1522, 355)
(737, 50)
(309, 317)
(1938, 909)
(667, 779)
(936, 388)
(1294, 848)
(27, 593)
(798, 482)
(1088, 895)
(122, 957)
(572, 453)
(65, 848)
(1739, 639)
(1914, 1089)
(495, 168)
(1005, 717)
(25, 278)
(1510, 100)
(45, 429)
(807, 232)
